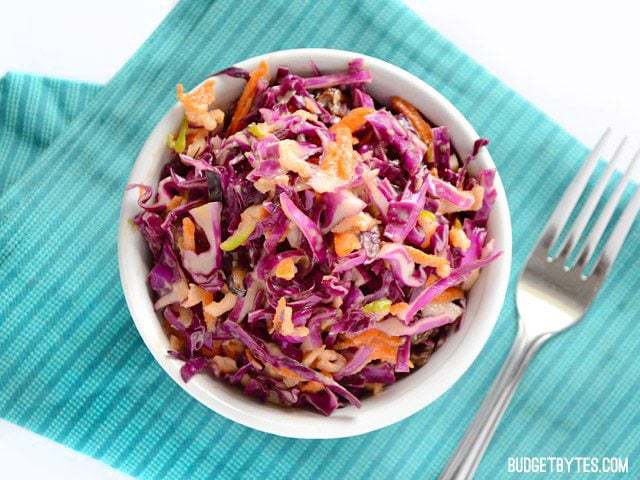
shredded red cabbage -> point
(321, 252)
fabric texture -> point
(72, 365)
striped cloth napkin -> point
(72, 366)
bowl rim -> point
(495, 297)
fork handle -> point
(476, 439)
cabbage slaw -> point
(312, 246)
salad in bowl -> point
(305, 236)
(312, 246)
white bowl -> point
(396, 402)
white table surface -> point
(577, 60)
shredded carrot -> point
(246, 99)
(431, 279)
(339, 159)
(419, 256)
(311, 387)
(284, 372)
(354, 120)
(345, 243)
(407, 109)
(197, 295)
(286, 269)
(458, 238)
(398, 308)
(346, 160)
(282, 321)
(384, 347)
(189, 234)
(441, 264)
(175, 202)
(207, 296)
(449, 295)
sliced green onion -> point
(427, 215)
(378, 306)
(239, 237)
(179, 144)
(256, 130)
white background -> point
(577, 60)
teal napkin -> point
(72, 366)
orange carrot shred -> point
(246, 99)
(384, 347)
(207, 296)
(339, 159)
(346, 159)
(449, 295)
(189, 234)
(441, 264)
(175, 202)
(425, 259)
(311, 387)
(354, 120)
(286, 269)
(406, 108)
(345, 243)
(398, 308)
(431, 279)
(287, 373)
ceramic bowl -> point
(396, 402)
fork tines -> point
(568, 252)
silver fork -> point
(554, 291)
